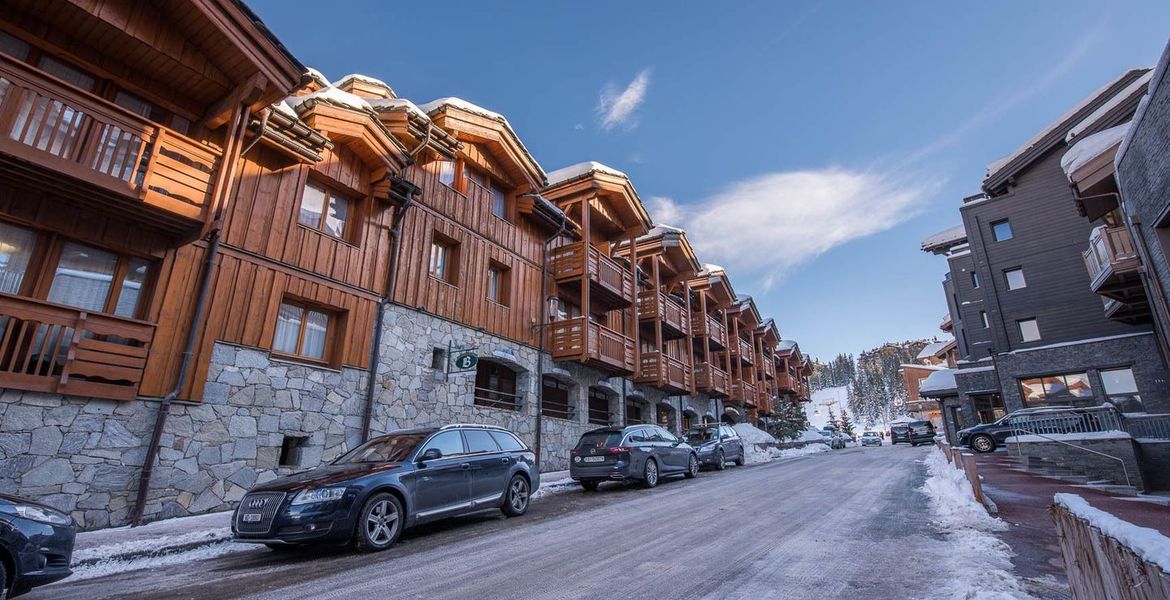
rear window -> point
(479, 440)
(507, 441)
(600, 439)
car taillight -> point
(573, 452)
(619, 450)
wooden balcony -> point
(106, 153)
(744, 351)
(785, 382)
(711, 379)
(764, 399)
(676, 323)
(51, 348)
(665, 372)
(744, 393)
(1112, 261)
(611, 281)
(582, 340)
(704, 325)
(769, 366)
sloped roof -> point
(939, 383)
(945, 239)
(451, 101)
(580, 170)
(934, 349)
(1090, 147)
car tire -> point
(720, 460)
(379, 523)
(3, 581)
(982, 444)
(516, 497)
(692, 467)
(650, 473)
(740, 460)
(589, 485)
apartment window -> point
(634, 415)
(447, 173)
(291, 448)
(1057, 390)
(1015, 278)
(444, 259)
(14, 46)
(974, 279)
(499, 202)
(1121, 389)
(555, 399)
(301, 331)
(983, 319)
(1001, 230)
(1029, 330)
(495, 386)
(67, 73)
(598, 407)
(499, 283)
(325, 210)
(16, 250)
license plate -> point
(594, 458)
(251, 517)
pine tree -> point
(833, 419)
(790, 423)
(846, 424)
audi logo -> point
(257, 502)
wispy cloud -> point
(617, 107)
(762, 227)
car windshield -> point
(388, 448)
(869, 434)
(700, 435)
(600, 439)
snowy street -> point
(826, 525)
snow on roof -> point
(944, 238)
(1147, 543)
(581, 169)
(921, 366)
(1138, 86)
(318, 76)
(996, 165)
(365, 79)
(742, 298)
(1090, 147)
(462, 104)
(333, 96)
(662, 229)
(933, 349)
(398, 103)
(786, 345)
(285, 109)
(939, 381)
(548, 205)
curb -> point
(163, 551)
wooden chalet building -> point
(792, 372)
(216, 263)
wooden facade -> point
(712, 296)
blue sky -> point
(806, 146)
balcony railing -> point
(744, 350)
(1111, 253)
(769, 366)
(663, 371)
(785, 382)
(583, 340)
(711, 379)
(48, 122)
(743, 392)
(579, 259)
(51, 348)
(666, 308)
(709, 326)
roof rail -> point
(471, 426)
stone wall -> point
(1089, 464)
(1155, 458)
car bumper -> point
(616, 471)
(869, 443)
(46, 555)
(303, 526)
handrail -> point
(1020, 450)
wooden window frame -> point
(333, 324)
(450, 273)
(503, 287)
(352, 215)
(462, 184)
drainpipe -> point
(540, 344)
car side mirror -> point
(430, 454)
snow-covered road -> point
(829, 525)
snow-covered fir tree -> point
(789, 422)
(846, 424)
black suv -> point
(987, 437)
(639, 452)
(36, 543)
(913, 433)
(370, 494)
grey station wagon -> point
(640, 452)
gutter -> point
(540, 328)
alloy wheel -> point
(651, 473)
(693, 467)
(518, 495)
(982, 443)
(382, 523)
(720, 460)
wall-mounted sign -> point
(465, 362)
(461, 359)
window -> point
(499, 202)
(1001, 230)
(598, 407)
(634, 413)
(16, 250)
(444, 259)
(13, 46)
(988, 408)
(1063, 389)
(301, 331)
(450, 443)
(983, 319)
(84, 277)
(1029, 330)
(1015, 278)
(479, 441)
(974, 279)
(438, 359)
(67, 73)
(447, 172)
(555, 399)
(507, 441)
(495, 386)
(324, 210)
(290, 450)
(1121, 390)
(499, 283)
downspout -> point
(541, 329)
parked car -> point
(639, 452)
(835, 440)
(987, 437)
(871, 438)
(714, 452)
(913, 433)
(36, 545)
(367, 496)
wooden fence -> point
(1100, 566)
(966, 463)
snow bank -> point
(752, 438)
(778, 454)
(111, 566)
(1066, 437)
(551, 488)
(1147, 543)
(810, 435)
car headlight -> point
(36, 513)
(318, 495)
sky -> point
(806, 146)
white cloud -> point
(579, 126)
(760, 228)
(618, 107)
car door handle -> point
(465, 466)
(506, 461)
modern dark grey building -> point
(1030, 324)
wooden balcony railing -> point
(785, 382)
(583, 340)
(47, 122)
(579, 259)
(709, 326)
(743, 392)
(51, 348)
(663, 371)
(668, 309)
(769, 366)
(745, 351)
(1111, 253)
(711, 379)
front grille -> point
(56, 561)
(265, 503)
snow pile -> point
(754, 439)
(1147, 543)
(551, 488)
(777, 454)
(979, 564)
(334, 96)
(580, 170)
(939, 381)
(948, 236)
(810, 435)
(110, 566)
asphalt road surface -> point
(824, 526)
